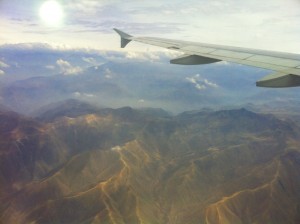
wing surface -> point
(286, 66)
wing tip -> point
(125, 37)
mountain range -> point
(77, 163)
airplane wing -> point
(285, 65)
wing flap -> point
(279, 80)
(193, 60)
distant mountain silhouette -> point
(82, 164)
(67, 108)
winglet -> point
(125, 38)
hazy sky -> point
(267, 24)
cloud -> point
(38, 47)
(79, 94)
(89, 60)
(89, 95)
(50, 48)
(195, 81)
(145, 56)
(3, 65)
(108, 74)
(50, 67)
(67, 69)
(210, 84)
(223, 63)
(134, 55)
(243, 23)
(201, 83)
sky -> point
(269, 24)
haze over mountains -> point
(38, 75)
(74, 150)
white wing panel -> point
(197, 49)
(231, 54)
(275, 60)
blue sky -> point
(268, 24)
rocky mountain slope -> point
(145, 166)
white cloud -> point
(201, 83)
(89, 60)
(67, 69)
(171, 54)
(154, 56)
(108, 74)
(2, 72)
(189, 10)
(145, 56)
(3, 65)
(211, 84)
(77, 94)
(89, 95)
(133, 55)
(37, 46)
(199, 86)
(223, 63)
(50, 67)
(168, 12)
(141, 101)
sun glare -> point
(51, 13)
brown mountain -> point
(131, 166)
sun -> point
(51, 13)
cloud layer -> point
(274, 25)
